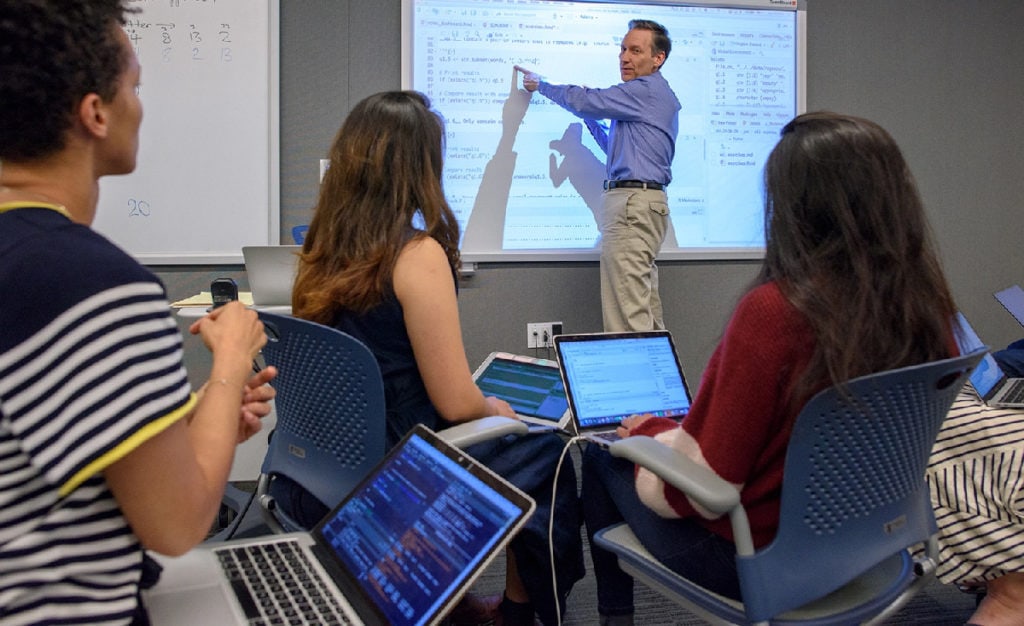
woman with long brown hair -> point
(380, 262)
(850, 285)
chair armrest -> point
(699, 483)
(484, 429)
(235, 499)
(696, 481)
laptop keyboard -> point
(276, 584)
(1014, 393)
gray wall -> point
(943, 76)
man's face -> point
(637, 56)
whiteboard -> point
(207, 177)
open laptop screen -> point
(414, 531)
(609, 377)
(987, 374)
(532, 386)
(271, 272)
(1012, 299)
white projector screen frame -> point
(524, 176)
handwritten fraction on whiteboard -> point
(206, 180)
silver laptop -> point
(532, 386)
(988, 379)
(271, 271)
(1012, 299)
(610, 376)
(402, 548)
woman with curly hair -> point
(105, 449)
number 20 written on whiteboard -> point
(138, 208)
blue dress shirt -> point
(644, 112)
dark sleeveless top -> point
(383, 331)
(529, 462)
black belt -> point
(632, 184)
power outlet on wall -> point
(540, 334)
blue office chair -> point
(854, 500)
(330, 416)
(330, 413)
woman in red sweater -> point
(850, 285)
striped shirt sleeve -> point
(95, 382)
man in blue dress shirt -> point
(639, 144)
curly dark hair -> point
(52, 54)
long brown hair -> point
(382, 189)
(850, 247)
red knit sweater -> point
(741, 419)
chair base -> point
(877, 593)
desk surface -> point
(195, 312)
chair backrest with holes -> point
(329, 405)
(853, 490)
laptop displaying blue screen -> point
(987, 374)
(532, 386)
(401, 549)
(610, 376)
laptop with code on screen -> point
(610, 376)
(402, 548)
(532, 386)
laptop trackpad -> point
(191, 591)
(209, 605)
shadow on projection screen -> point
(524, 175)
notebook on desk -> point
(988, 379)
(610, 376)
(271, 271)
(402, 548)
(532, 386)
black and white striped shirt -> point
(976, 477)
(90, 368)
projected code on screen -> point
(524, 174)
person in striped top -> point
(976, 478)
(105, 450)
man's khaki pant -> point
(633, 224)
